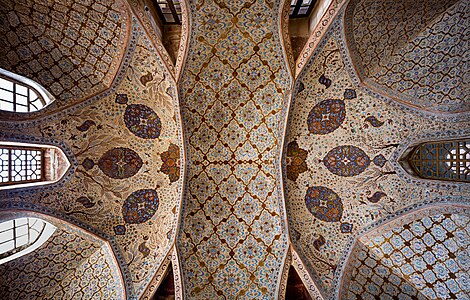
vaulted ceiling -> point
(236, 164)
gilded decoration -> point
(350, 179)
(231, 239)
(73, 48)
(118, 187)
(260, 173)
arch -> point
(22, 95)
(441, 160)
(400, 164)
(408, 226)
(21, 236)
(407, 56)
(25, 164)
(70, 245)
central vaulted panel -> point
(231, 238)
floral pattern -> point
(326, 116)
(140, 206)
(296, 160)
(142, 121)
(120, 163)
(346, 160)
(171, 162)
(324, 204)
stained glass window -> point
(21, 164)
(301, 8)
(21, 236)
(445, 160)
(18, 95)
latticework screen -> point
(20, 164)
(445, 160)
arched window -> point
(20, 94)
(22, 236)
(444, 160)
(27, 164)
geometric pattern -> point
(417, 51)
(71, 48)
(424, 259)
(127, 196)
(234, 93)
(231, 240)
(372, 190)
(85, 273)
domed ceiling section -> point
(126, 182)
(413, 51)
(72, 48)
(231, 240)
(422, 256)
(341, 164)
(70, 265)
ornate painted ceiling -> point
(237, 165)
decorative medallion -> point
(171, 162)
(324, 204)
(140, 206)
(121, 98)
(142, 121)
(346, 160)
(326, 116)
(296, 160)
(120, 163)
(119, 229)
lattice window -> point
(169, 11)
(21, 164)
(445, 160)
(21, 236)
(301, 8)
(18, 96)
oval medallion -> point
(120, 163)
(140, 206)
(326, 116)
(142, 121)
(346, 161)
(324, 204)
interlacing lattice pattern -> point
(445, 160)
(417, 50)
(67, 266)
(70, 47)
(424, 259)
(21, 164)
(231, 243)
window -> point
(21, 236)
(21, 164)
(445, 160)
(20, 94)
(27, 164)
(169, 11)
(301, 8)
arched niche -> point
(71, 257)
(394, 258)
